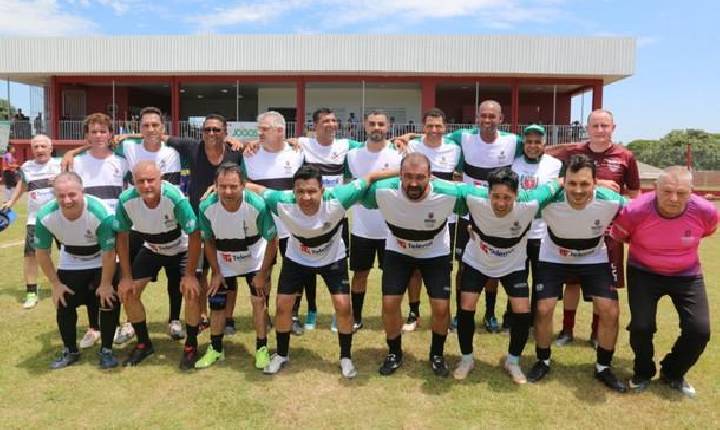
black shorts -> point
(147, 264)
(293, 277)
(9, 178)
(231, 282)
(596, 280)
(515, 283)
(29, 250)
(346, 232)
(462, 237)
(82, 282)
(282, 247)
(435, 273)
(363, 252)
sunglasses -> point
(212, 129)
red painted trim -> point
(300, 107)
(56, 103)
(597, 97)
(428, 88)
(515, 106)
(175, 105)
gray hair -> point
(678, 173)
(68, 176)
(44, 137)
(596, 111)
(490, 103)
(276, 119)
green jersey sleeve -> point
(203, 221)
(264, 222)
(185, 216)
(43, 238)
(273, 197)
(351, 193)
(105, 234)
(122, 222)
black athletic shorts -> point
(398, 269)
(82, 282)
(293, 277)
(363, 252)
(231, 282)
(515, 283)
(147, 264)
(596, 280)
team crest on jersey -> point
(168, 221)
(502, 156)
(89, 235)
(334, 155)
(529, 182)
(430, 220)
(596, 228)
(515, 229)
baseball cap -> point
(534, 128)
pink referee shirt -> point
(666, 246)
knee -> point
(545, 309)
(699, 331)
(608, 310)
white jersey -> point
(577, 236)
(416, 228)
(369, 223)
(444, 160)
(498, 246)
(329, 159)
(167, 159)
(480, 157)
(273, 170)
(533, 174)
(102, 177)
(38, 183)
(241, 236)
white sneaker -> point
(175, 330)
(91, 336)
(464, 367)
(124, 333)
(347, 368)
(31, 300)
(515, 372)
(277, 362)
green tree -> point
(672, 149)
(6, 110)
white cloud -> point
(41, 18)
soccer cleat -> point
(175, 330)
(211, 356)
(91, 336)
(296, 328)
(391, 363)
(357, 325)
(229, 329)
(262, 357)
(439, 366)
(515, 372)
(107, 359)
(139, 353)
(123, 333)
(538, 371)
(491, 324)
(607, 377)
(189, 358)
(347, 368)
(464, 367)
(66, 359)
(564, 338)
(638, 384)
(31, 300)
(277, 362)
(311, 320)
(680, 385)
(333, 324)
(412, 323)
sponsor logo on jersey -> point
(489, 250)
(529, 182)
(406, 244)
(571, 253)
(316, 251)
(596, 228)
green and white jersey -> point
(102, 177)
(316, 240)
(532, 174)
(576, 236)
(167, 159)
(479, 158)
(82, 239)
(165, 227)
(416, 228)
(240, 236)
(499, 245)
(329, 159)
(38, 183)
(444, 159)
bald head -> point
(148, 181)
(489, 118)
(673, 191)
(148, 166)
(415, 160)
(415, 175)
(490, 104)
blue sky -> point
(677, 65)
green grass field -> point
(310, 392)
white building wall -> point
(403, 104)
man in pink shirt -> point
(664, 229)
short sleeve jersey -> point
(617, 163)
(164, 227)
(479, 158)
(240, 236)
(576, 236)
(82, 240)
(499, 245)
(329, 159)
(416, 228)
(38, 178)
(167, 159)
(102, 177)
(369, 223)
(666, 246)
(316, 240)
(532, 174)
(444, 159)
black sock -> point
(216, 340)
(175, 300)
(604, 356)
(93, 311)
(542, 353)
(519, 331)
(395, 345)
(466, 330)
(283, 343)
(31, 288)
(415, 308)
(108, 322)
(357, 300)
(437, 347)
(311, 294)
(490, 297)
(345, 341)
(229, 322)
(141, 332)
(259, 343)
(296, 305)
(67, 324)
(191, 337)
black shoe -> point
(107, 359)
(66, 359)
(610, 380)
(491, 324)
(139, 353)
(189, 357)
(357, 325)
(638, 384)
(680, 385)
(391, 363)
(439, 367)
(296, 328)
(538, 371)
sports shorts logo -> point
(539, 287)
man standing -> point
(159, 212)
(664, 229)
(574, 247)
(9, 171)
(36, 178)
(84, 274)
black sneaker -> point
(611, 381)
(439, 367)
(357, 325)
(66, 359)
(189, 357)
(638, 384)
(680, 385)
(296, 328)
(391, 363)
(139, 353)
(107, 359)
(491, 324)
(538, 371)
